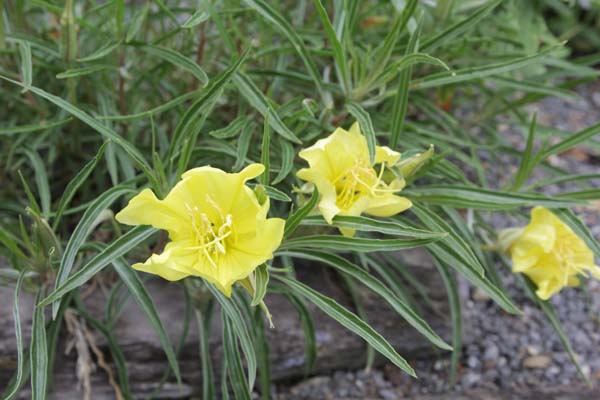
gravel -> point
(508, 354)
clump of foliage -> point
(102, 99)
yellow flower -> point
(550, 253)
(217, 227)
(346, 180)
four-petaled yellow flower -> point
(217, 227)
(550, 253)
(347, 182)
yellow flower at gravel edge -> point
(346, 180)
(550, 253)
(217, 227)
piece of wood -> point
(337, 347)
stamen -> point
(361, 179)
(210, 238)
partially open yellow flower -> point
(550, 253)
(347, 182)
(217, 227)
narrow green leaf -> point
(11, 242)
(19, 378)
(119, 16)
(265, 158)
(351, 321)
(260, 285)
(483, 199)
(527, 160)
(75, 183)
(243, 145)
(354, 244)
(400, 104)
(39, 351)
(366, 224)
(76, 72)
(362, 276)
(33, 204)
(339, 54)
(588, 194)
(571, 141)
(263, 353)
(258, 100)
(196, 18)
(224, 377)
(149, 113)
(277, 194)
(40, 126)
(555, 180)
(287, 161)
(232, 129)
(26, 64)
(177, 59)
(366, 127)
(113, 251)
(41, 180)
(82, 231)
(283, 26)
(294, 220)
(408, 61)
(103, 51)
(2, 29)
(136, 22)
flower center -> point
(358, 180)
(566, 256)
(210, 234)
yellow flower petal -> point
(146, 209)
(171, 264)
(327, 204)
(388, 206)
(384, 154)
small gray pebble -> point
(491, 353)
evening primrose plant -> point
(225, 145)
